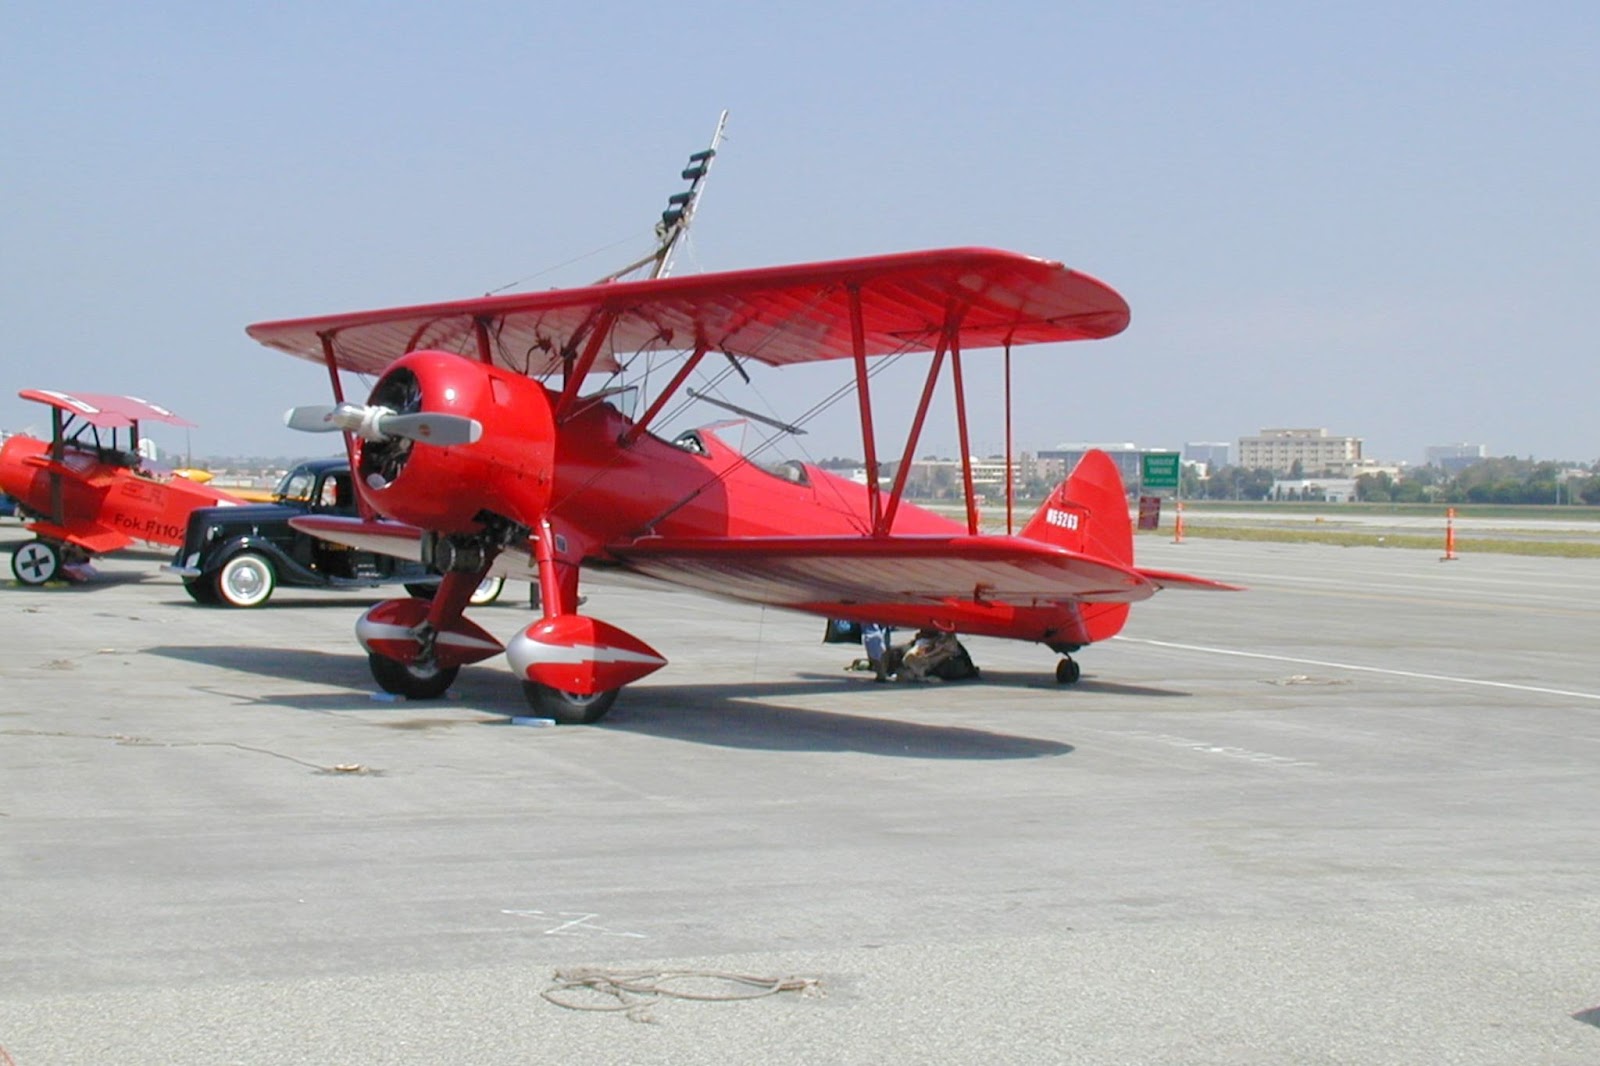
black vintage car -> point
(236, 556)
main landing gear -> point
(36, 562)
(412, 657)
(413, 680)
(568, 708)
(39, 561)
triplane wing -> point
(103, 410)
(88, 490)
(474, 449)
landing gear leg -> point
(1067, 671)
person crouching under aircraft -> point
(933, 653)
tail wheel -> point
(1068, 671)
(246, 580)
(36, 562)
(568, 708)
(414, 681)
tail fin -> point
(1088, 512)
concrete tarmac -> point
(1347, 816)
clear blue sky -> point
(1382, 219)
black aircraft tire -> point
(568, 708)
(409, 680)
(36, 562)
(1068, 671)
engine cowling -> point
(509, 471)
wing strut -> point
(58, 454)
(362, 507)
(952, 322)
(858, 345)
(667, 393)
(961, 428)
(574, 379)
(1010, 487)
(480, 333)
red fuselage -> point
(595, 486)
(97, 503)
(600, 485)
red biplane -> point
(485, 447)
(87, 490)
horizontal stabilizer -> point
(1169, 580)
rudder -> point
(1088, 512)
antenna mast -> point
(679, 213)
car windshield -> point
(295, 487)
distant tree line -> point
(1507, 480)
(1503, 481)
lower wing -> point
(96, 540)
(790, 571)
(400, 541)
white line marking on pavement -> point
(578, 925)
(1368, 669)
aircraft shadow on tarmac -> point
(288, 664)
(732, 714)
(1036, 680)
(739, 715)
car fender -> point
(289, 571)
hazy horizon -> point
(1372, 219)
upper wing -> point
(104, 410)
(794, 571)
(776, 315)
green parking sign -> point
(1159, 470)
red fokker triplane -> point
(493, 442)
(88, 490)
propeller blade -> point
(312, 418)
(379, 423)
(428, 428)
